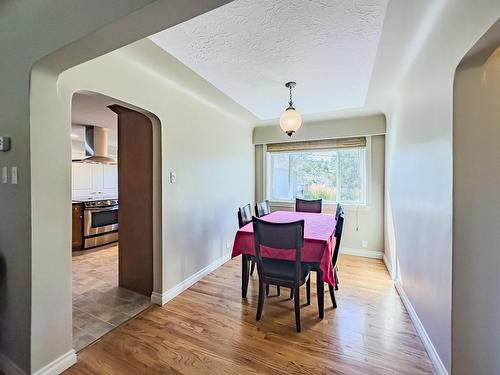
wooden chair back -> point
(337, 212)
(304, 205)
(244, 215)
(283, 236)
(262, 208)
(339, 230)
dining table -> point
(319, 243)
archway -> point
(116, 195)
(476, 205)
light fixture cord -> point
(291, 101)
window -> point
(335, 175)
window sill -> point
(328, 207)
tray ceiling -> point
(248, 49)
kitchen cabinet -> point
(94, 181)
(110, 179)
(82, 178)
(77, 226)
(78, 142)
(97, 178)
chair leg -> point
(267, 289)
(244, 276)
(253, 267)
(260, 304)
(297, 309)
(336, 276)
(291, 293)
(321, 294)
(278, 289)
(308, 290)
(332, 296)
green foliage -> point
(317, 191)
(313, 175)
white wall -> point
(325, 129)
(28, 320)
(39, 29)
(419, 166)
(368, 219)
(209, 149)
(206, 140)
(476, 210)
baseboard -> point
(156, 298)
(388, 266)
(8, 367)
(431, 350)
(362, 252)
(58, 365)
(161, 299)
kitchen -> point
(100, 300)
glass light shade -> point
(290, 121)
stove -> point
(100, 222)
(100, 203)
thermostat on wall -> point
(4, 143)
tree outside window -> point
(332, 175)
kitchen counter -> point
(83, 200)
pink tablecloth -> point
(319, 240)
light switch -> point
(13, 176)
(173, 177)
(4, 175)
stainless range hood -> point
(96, 146)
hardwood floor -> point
(209, 329)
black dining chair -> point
(336, 269)
(287, 273)
(337, 211)
(339, 229)
(304, 205)
(262, 208)
(245, 217)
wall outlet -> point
(172, 177)
(364, 244)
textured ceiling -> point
(248, 49)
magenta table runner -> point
(319, 240)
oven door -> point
(100, 220)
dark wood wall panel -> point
(135, 195)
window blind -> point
(323, 144)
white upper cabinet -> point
(97, 179)
(110, 179)
(94, 181)
(82, 176)
(78, 142)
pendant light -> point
(290, 120)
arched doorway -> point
(476, 208)
(115, 187)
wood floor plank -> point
(210, 329)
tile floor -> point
(99, 304)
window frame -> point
(366, 179)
